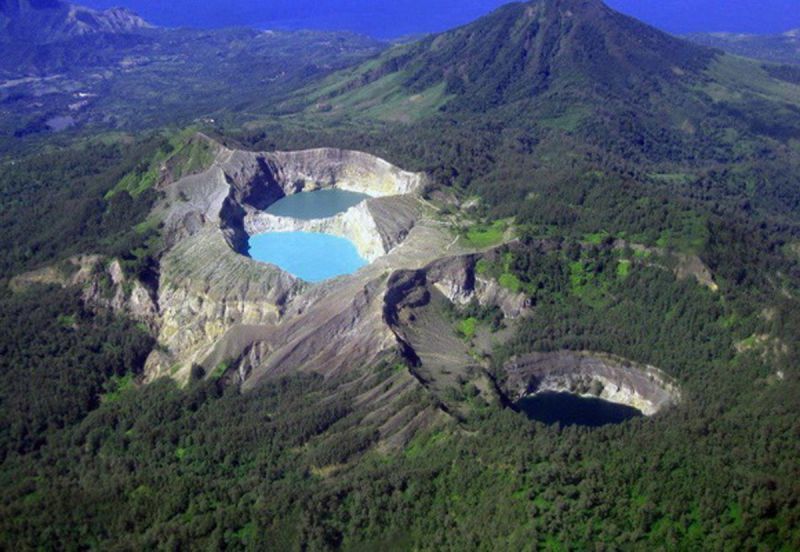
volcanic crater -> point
(223, 314)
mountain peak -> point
(521, 50)
(45, 21)
(569, 8)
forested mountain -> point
(585, 83)
(782, 48)
(523, 50)
(634, 195)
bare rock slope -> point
(218, 307)
(246, 321)
(216, 312)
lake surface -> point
(315, 205)
(568, 409)
(310, 256)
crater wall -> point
(347, 170)
(259, 179)
(592, 374)
(208, 286)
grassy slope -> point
(182, 153)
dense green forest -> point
(97, 461)
(170, 467)
(119, 465)
(56, 203)
(608, 200)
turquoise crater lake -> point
(310, 256)
(313, 257)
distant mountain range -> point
(573, 65)
(65, 66)
(37, 22)
(47, 21)
(782, 48)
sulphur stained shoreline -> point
(319, 204)
(357, 225)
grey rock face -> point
(218, 305)
(103, 284)
(220, 308)
(595, 374)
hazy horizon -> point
(393, 19)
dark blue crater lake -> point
(568, 409)
(311, 256)
(315, 205)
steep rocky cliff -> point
(103, 283)
(592, 374)
(246, 321)
(218, 307)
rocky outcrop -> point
(614, 379)
(417, 306)
(103, 283)
(457, 280)
(217, 305)
(205, 289)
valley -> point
(779, 48)
(104, 76)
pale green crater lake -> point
(315, 205)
